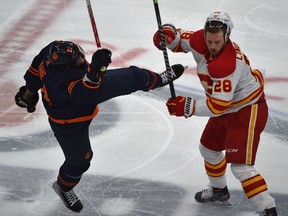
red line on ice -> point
(15, 42)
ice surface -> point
(145, 161)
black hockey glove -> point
(29, 104)
(100, 61)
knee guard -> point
(243, 171)
(81, 165)
(212, 157)
(70, 173)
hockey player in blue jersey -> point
(71, 90)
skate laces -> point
(71, 197)
(167, 76)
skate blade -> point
(224, 203)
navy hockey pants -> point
(74, 138)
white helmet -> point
(221, 17)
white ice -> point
(145, 161)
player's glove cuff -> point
(94, 82)
(189, 107)
(181, 106)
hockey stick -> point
(93, 23)
(164, 49)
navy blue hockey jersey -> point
(65, 95)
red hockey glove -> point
(29, 104)
(170, 33)
(181, 106)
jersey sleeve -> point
(32, 75)
(189, 41)
(83, 91)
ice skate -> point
(176, 71)
(214, 196)
(69, 198)
(268, 212)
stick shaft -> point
(163, 46)
(93, 23)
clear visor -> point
(81, 51)
(80, 60)
(214, 25)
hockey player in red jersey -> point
(235, 103)
(71, 91)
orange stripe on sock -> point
(68, 184)
(254, 186)
(216, 170)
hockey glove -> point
(181, 106)
(29, 104)
(170, 33)
(100, 61)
